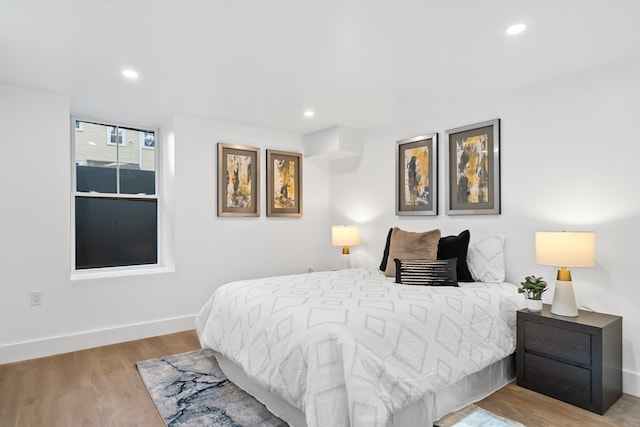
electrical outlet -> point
(36, 298)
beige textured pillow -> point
(409, 245)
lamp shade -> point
(345, 235)
(566, 249)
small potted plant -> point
(533, 287)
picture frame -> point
(417, 175)
(473, 169)
(238, 180)
(284, 184)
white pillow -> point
(486, 259)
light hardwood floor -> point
(96, 387)
(102, 387)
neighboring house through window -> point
(115, 196)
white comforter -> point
(351, 347)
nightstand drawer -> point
(557, 342)
(557, 379)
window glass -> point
(116, 205)
(106, 167)
(96, 159)
(112, 232)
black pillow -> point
(456, 247)
(426, 272)
(385, 254)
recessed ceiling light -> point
(129, 73)
(516, 29)
(309, 113)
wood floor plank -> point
(101, 387)
(535, 409)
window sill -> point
(103, 273)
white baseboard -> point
(631, 383)
(25, 350)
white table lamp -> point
(345, 236)
(565, 249)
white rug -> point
(475, 416)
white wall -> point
(570, 161)
(35, 236)
(225, 248)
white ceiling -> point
(356, 63)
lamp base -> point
(345, 261)
(564, 299)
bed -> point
(354, 348)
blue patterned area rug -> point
(189, 389)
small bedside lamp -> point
(565, 249)
(345, 236)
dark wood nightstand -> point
(574, 359)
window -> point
(115, 196)
(115, 135)
(147, 140)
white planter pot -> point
(534, 305)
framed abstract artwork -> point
(417, 175)
(284, 183)
(473, 169)
(238, 180)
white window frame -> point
(131, 270)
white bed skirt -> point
(422, 413)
